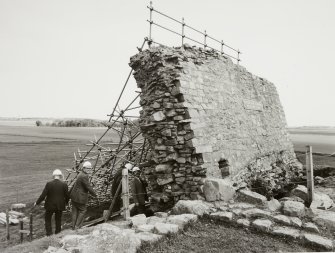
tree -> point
(38, 123)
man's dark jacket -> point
(138, 190)
(56, 194)
(81, 188)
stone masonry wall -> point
(199, 110)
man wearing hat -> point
(138, 189)
(56, 197)
(79, 196)
(115, 184)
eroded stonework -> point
(207, 117)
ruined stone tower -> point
(205, 116)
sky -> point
(69, 58)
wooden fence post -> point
(21, 229)
(7, 225)
(31, 227)
(125, 193)
(309, 174)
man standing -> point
(138, 189)
(57, 197)
(117, 180)
(79, 196)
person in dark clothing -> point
(56, 197)
(79, 196)
(139, 192)
(117, 179)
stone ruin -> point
(206, 117)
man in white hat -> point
(139, 192)
(56, 197)
(79, 196)
(117, 178)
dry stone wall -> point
(207, 117)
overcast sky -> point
(69, 58)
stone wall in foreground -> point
(207, 117)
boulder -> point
(197, 207)
(71, 241)
(50, 249)
(121, 224)
(182, 219)
(273, 205)
(145, 228)
(311, 227)
(241, 205)
(61, 250)
(148, 237)
(320, 200)
(218, 189)
(220, 205)
(292, 198)
(154, 219)
(164, 228)
(256, 213)
(319, 241)
(223, 216)
(293, 208)
(296, 222)
(251, 197)
(243, 222)
(237, 212)
(161, 214)
(137, 220)
(262, 225)
(282, 219)
(325, 219)
(301, 192)
(285, 231)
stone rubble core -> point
(206, 117)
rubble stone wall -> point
(199, 109)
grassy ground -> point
(209, 236)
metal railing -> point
(184, 36)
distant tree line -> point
(73, 123)
(87, 123)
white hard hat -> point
(87, 165)
(57, 172)
(129, 166)
(136, 169)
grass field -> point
(28, 155)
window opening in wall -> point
(224, 167)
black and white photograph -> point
(167, 126)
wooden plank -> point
(100, 220)
(108, 213)
(125, 193)
(309, 174)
